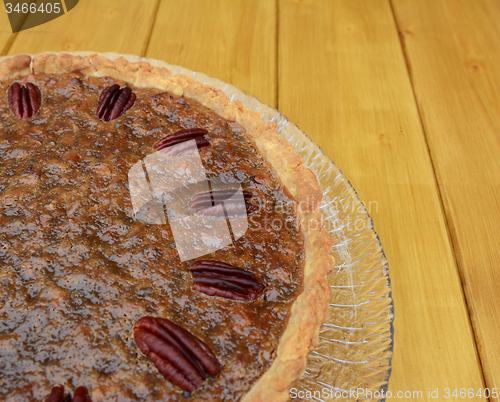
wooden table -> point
(403, 95)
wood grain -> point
(101, 26)
(6, 35)
(454, 53)
(343, 79)
(233, 40)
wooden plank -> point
(454, 53)
(6, 35)
(234, 41)
(101, 26)
(343, 79)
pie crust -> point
(310, 309)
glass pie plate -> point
(353, 359)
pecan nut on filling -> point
(92, 297)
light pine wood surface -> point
(6, 35)
(234, 41)
(368, 122)
(453, 49)
(101, 26)
(403, 95)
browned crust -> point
(310, 309)
(16, 66)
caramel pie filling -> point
(78, 270)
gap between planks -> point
(151, 28)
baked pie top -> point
(93, 296)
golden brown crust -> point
(310, 309)
(16, 66)
(141, 74)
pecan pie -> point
(101, 303)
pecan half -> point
(114, 101)
(81, 395)
(167, 144)
(24, 101)
(179, 356)
(216, 278)
(213, 203)
(57, 395)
